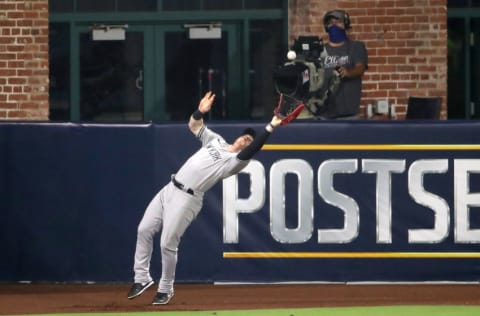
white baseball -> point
(291, 55)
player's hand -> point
(275, 121)
(206, 102)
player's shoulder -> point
(200, 132)
(207, 135)
(206, 132)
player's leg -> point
(149, 226)
(178, 216)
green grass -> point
(337, 311)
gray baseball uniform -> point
(178, 203)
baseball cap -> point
(249, 131)
(339, 15)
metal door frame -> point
(154, 68)
(467, 14)
(148, 72)
(235, 76)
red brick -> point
(409, 34)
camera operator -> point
(350, 60)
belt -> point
(182, 187)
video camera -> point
(303, 77)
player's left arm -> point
(248, 152)
(196, 119)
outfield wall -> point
(323, 201)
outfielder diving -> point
(177, 204)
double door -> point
(154, 72)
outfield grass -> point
(448, 310)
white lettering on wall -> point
(383, 169)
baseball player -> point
(177, 204)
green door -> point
(188, 67)
(473, 107)
(111, 77)
(155, 73)
(463, 67)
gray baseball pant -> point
(170, 212)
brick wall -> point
(406, 42)
(24, 60)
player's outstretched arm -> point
(196, 119)
(248, 152)
(276, 121)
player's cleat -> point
(138, 288)
(162, 298)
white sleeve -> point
(206, 135)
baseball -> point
(291, 55)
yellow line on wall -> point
(371, 147)
(357, 255)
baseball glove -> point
(288, 108)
